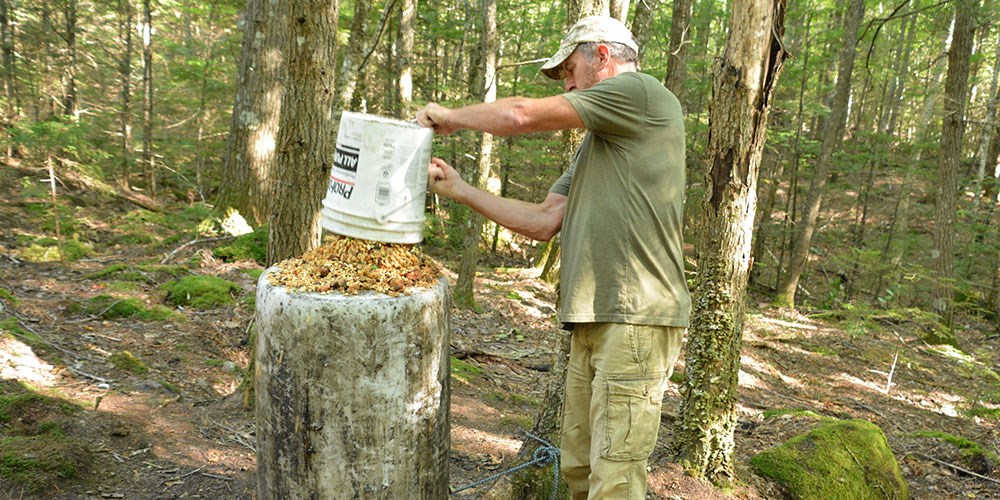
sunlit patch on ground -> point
(19, 362)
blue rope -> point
(543, 455)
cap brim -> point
(553, 67)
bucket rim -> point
(383, 119)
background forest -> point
(139, 97)
(150, 133)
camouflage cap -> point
(586, 30)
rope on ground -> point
(543, 455)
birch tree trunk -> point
(148, 161)
(305, 130)
(744, 80)
(832, 139)
(407, 26)
(464, 291)
(353, 53)
(955, 87)
(125, 93)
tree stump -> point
(352, 394)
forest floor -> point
(178, 429)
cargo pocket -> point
(631, 417)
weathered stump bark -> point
(352, 394)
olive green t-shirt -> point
(621, 234)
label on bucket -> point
(378, 181)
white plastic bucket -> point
(379, 179)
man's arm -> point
(539, 221)
(508, 116)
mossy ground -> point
(35, 451)
(252, 246)
(126, 361)
(827, 463)
(200, 292)
(112, 307)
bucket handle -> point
(383, 217)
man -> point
(620, 209)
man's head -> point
(596, 42)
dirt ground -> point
(180, 430)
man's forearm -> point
(536, 221)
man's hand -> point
(444, 180)
(436, 117)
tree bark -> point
(833, 136)
(305, 131)
(680, 25)
(70, 101)
(989, 131)
(248, 177)
(148, 160)
(125, 93)
(353, 53)
(10, 111)
(641, 22)
(407, 26)
(955, 88)
(618, 9)
(464, 291)
(744, 80)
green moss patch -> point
(11, 325)
(126, 361)
(111, 307)
(463, 371)
(200, 292)
(141, 274)
(35, 452)
(971, 451)
(843, 459)
(252, 246)
(36, 462)
(7, 297)
(47, 250)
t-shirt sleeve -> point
(561, 186)
(615, 106)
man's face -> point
(581, 72)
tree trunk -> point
(618, 9)
(203, 111)
(831, 141)
(305, 131)
(347, 80)
(10, 111)
(989, 131)
(680, 25)
(744, 80)
(951, 152)
(125, 94)
(407, 26)
(148, 160)
(352, 394)
(641, 22)
(70, 104)
(247, 179)
(464, 292)
(763, 225)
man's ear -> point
(604, 53)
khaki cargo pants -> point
(614, 390)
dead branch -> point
(953, 466)
(192, 242)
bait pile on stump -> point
(348, 266)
